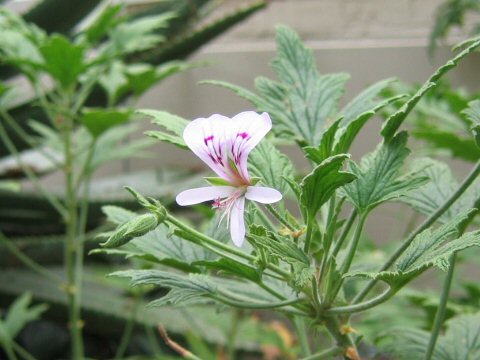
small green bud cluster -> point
(139, 225)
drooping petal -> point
(246, 130)
(237, 223)
(198, 195)
(207, 138)
(264, 195)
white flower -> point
(224, 144)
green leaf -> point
(106, 20)
(365, 101)
(97, 121)
(124, 38)
(63, 60)
(113, 81)
(326, 147)
(284, 249)
(321, 184)
(184, 289)
(392, 124)
(429, 248)
(310, 99)
(19, 314)
(473, 115)
(427, 198)
(172, 123)
(230, 267)
(271, 166)
(378, 179)
(460, 342)
(106, 304)
(458, 146)
(217, 181)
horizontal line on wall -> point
(261, 45)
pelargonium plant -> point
(304, 259)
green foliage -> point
(429, 197)
(461, 341)
(473, 114)
(19, 314)
(97, 121)
(395, 120)
(172, 123)
(378, 175)
(450, 14)
(429, 248)
(63, 60)
(271, 166)
(319, 186)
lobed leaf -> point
(429, 248)
(271, 166)
(172, 123)
(320, 185)
(378, 179)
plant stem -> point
(232, 335)
(266, 221)
(302, 335)
(308, 236)
(127, 332)
(442, 307)
(345, 231)
(279, 217)
(362, 306)
(353, 245)
(325, 354)
(344, 342)
(72, 247)
(27, 261)
(22, 352)
(9, 352)
(426, 224)
(199, 237)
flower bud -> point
(132, 229)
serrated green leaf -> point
(172, 123)
(124, 37)
(97, 121)
(106, 20)
(184, 289)
(427, 198)
(19, 314)
(320, 185)
(105, 304)
(378, 180)
(393, 123)
(458, 146)
(63, 60)
(326, 147)
(429, 248)
(473, 115)
(230, 267)
(271, 166)
(460, 342)
(365, 101)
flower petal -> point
(264, 195)
(198, 195)
(206, 137)
(246, 130)
(237, 223)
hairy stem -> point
(302, 335)
(225, 249)
(308, 236)
(345, 231)
(426, 224)
(348, 309)
(442, 307)
(325, 354)
(72, 247)
(279, 217)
